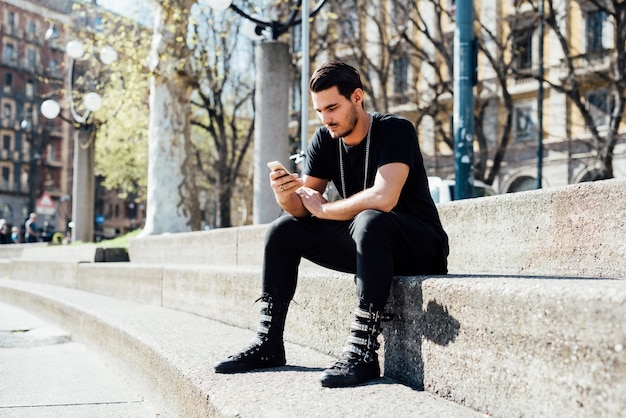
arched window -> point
(522, 183)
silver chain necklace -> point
(367, 159)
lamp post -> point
(272, 95)
(463, 100)
(83, 180)
(34, 160)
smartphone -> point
(277, 165)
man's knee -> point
(370, 224)
(279, 228)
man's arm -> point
(383, 195)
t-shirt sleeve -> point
(316, 163)
(399, 144)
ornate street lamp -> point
(83, 188)
(272, 93)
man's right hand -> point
(284, 185)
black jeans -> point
(375, 245)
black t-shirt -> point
(393, 139)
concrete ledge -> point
(576, 231)
(8, 251)
(573, 231)
(60, 273)
(234, 246)
(73, 253)
(174, 355)
(512, 346)
(142, 284)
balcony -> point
(9, 123)
(11, 30)
(588, 66)
(6, 185)
(11, 61)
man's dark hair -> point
(336, 73)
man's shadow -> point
(409, 325)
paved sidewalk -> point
(46, 374)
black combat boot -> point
(359, 361)
(267, 349)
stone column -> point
(271, 136)
(83, 185)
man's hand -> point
(312, 200)
(284, 185)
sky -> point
(141, 10)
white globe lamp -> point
(219, 5)
(75, 49)
(108, 55)
(93, 101)
(50, 109)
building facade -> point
(405, 51)
(35, 153)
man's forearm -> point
(293, 205)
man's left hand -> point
(312, 200)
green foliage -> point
(122, 122)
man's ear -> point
(357, 96)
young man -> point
(386, 223)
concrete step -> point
(172, 352)
(47, 375)
(573, 231)
(491, 342)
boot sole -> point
(231, 368)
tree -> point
(601, 68)
(172, 194)
(223, 110)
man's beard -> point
(352, 120)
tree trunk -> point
(172, 199)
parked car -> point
(443, 190)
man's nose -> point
(326, 119)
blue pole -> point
(464, 68)
(540, 98)
(304, 81)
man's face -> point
(335, 111)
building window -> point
(8, 82)
(595, 22)
(7, 111)
(6, 142)
(31, 59)
(523, 183)
(524, 122)
(523, 48)
(11, 22)
(30, 88)
(599, 104)
(9, 53)
(401, 75)
(6, 178)
(54, 151)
